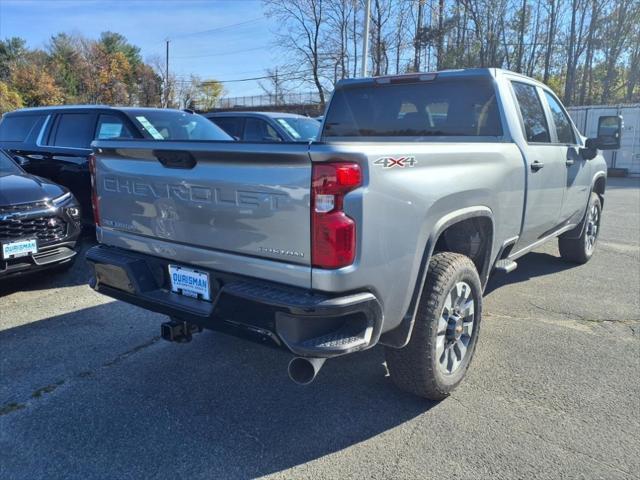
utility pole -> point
(416, 58)
(365, 39)
(276, 85)
(166, 84)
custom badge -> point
(400, 162)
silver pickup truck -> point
(383, 231)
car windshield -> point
(300, 128)
(7, 166)
(176, 125)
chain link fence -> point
(261, 101)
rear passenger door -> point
(69, 146)
(578, 170)
(546, 172)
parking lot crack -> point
(128, 353)
(578, 317)
(49, 389)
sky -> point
(214, 39)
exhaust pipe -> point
(304, 370)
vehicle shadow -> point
(534, 264)
(218, 407)
(51, 278)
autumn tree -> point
(208, 94)
(35, 85)
(9, 99)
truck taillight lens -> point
(333, 233)
(94, 193)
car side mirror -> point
(22, 161)
(609, 132)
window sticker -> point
(149, 127)
(290, 130)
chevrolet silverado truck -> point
(384, 230)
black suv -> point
(55, 142)
(39, 222)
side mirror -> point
(609, 132)
(22, 161)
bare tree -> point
(575, 46)
(552, 20)
(301, 24)
(618, 26)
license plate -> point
(189, 282)
(21, 248)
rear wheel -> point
(580, 250)
(446, 330)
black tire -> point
(415, 367)
(580, 250)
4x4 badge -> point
(390, 162)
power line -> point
(222, 53)
(217, 29)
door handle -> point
(535, 166)
(569, 162)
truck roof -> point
(456, 73)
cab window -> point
(564, 130)
(534, 120)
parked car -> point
(385, 231)
(55, 142)
(266, 126)
(39, 222)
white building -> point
(628, 156)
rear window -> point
(17, 128)
(176, 125)
(447, 107)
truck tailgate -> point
(227, 197)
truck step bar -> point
(506, 266)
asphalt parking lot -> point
(87, 389)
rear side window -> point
(111, 126)
(535, 125)
(561, 121)
(75, 130)
(231, 125)
(446, 107)
(17, 128)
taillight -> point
(333, 233)
(94, 192)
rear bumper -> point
(306, 323)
